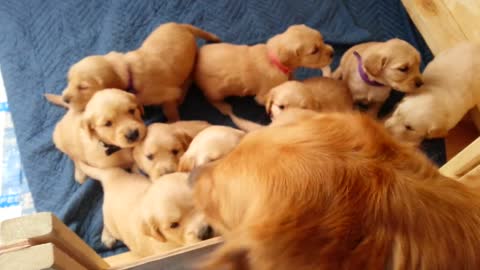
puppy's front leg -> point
(80, 176)
(170, 110)
(107, 238)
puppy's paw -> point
(107, 239)
(80, 176)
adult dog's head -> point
(333, 191)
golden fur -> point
(224, 70)
(159, 70)
(335, 191)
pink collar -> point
(274, 60)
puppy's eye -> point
(81, 87)
(408, 127)
(315, 50)
(281, 107)
(131, 111)
(175, 151)
(108, 123)
(150, 156)
(403, 69)
(174, 225)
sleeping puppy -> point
(224, 70)
(319, 94)
(335, 191)
(157, 72)
(104, 134)
(452, 87)
(209, 145)
(163, 146)
(160, 215)
(372, 69)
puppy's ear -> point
(436, 132)
(120, 66)
(141, 109)
(183, 138)
(375, 63)
(269, 103)
(186, 164)
(151, 229)
(86, 125)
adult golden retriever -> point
(335, 191)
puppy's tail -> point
(244, 124)
(201, 33)
(56, 99)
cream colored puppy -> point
(104, 134)
(163, 146)
(319, 94)
(452, 87)
(372, 69)
(157, 72)
(209, 145)
(159, 214)
(224, 70)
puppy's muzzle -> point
(132, 135)
(418, 82)
(205, 233)
(67, 99)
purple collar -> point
(130, 87)
(362, 73)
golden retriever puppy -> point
(209, 145)
(163, 146)
(224, 70)
(372, 69)
(335, 191)
(452, 87)
(160, 214)
(104, 134)
(157, 72)
(318, 94)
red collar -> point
(274, 60)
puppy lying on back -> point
(157, 72)
(163, 146)
(336, 191)
(104, 134)
(372, 69)
(224, 70)
(209, 145)
(318, 94)
(452, 87)
(160, 215)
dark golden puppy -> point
(335, 191)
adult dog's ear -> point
(150, 228)
(375, 63)
(86, 125)
(228, 257)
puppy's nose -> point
(418, 82)
(67, 99)
(132, 135)
(205, 233)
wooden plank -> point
(467, 14)
(184, 258)
(122, 259)
(435, 22)
(460, 137)
(44, 256)
(464, 161)
(44, 228)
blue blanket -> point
(40, 39)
